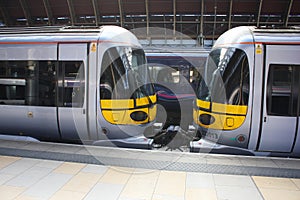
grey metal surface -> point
(154, 159)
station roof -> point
(196, 18)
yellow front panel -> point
(203, 104)
(226, 117)
(196, 116)
(152, 113)
(117, 104)
(223, 121)
(145, 100)
(126, 103)
(229, 109)
(122, 117)
(118, 111)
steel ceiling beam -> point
(121, 13)
(201, 25)
(202, 18)
(258, 13)
(72, 12)
(96, 11)
(26, 11)
(200, 37)
(215, 23)
(174, 17)
(147, 17)
(230, 13)
(48, 12)
(288, 13)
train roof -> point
(245, 35)
(177, 54)
(277, 36)
(58, 34)
(267, 30)
(175, 50)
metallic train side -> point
(52, 86)
(249, 100)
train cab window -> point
(71, 83)
(27, 83)
(167, 75)
(173, 79)
(172, 74)
(124, 74)
(279, 90)
(226, 77)
(112, 75)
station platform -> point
(42, 171)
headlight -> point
(206, 119)
(139, 116)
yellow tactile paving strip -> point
(76, 181)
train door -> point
(27, 91)
(72, 88)
(280, 117)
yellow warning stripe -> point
(118, 111)
(222, 108)
(117, 104)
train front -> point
(220, 110)
(127, 97)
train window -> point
(279, 90)
(71, 83)
(173, 74)
(226, 77)
(27, 83)
(178, 79)
(236, 78)
(46, 83)
(124, 74)
(113, 82)
(13, 69)
(167, 75)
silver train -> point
(88, 85)
(249, 99)
(174, 75)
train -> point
(248, 101)
(76, 84)
(174, 73)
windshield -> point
(175, 75)
(124, 74)
(226, 78)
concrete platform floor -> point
(58, 178)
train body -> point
(249, 99)
(88, 85)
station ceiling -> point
(196, 18)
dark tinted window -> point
(71, 83)
(226, 78)
(280, 90)
(124, 74)
(36, 82)
(27, 83)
